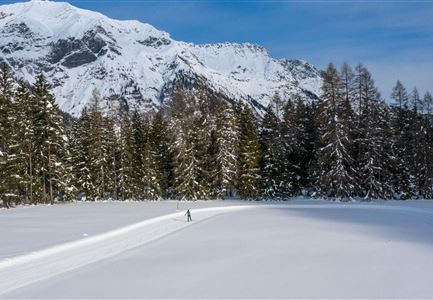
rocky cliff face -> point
(136, 65)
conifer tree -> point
(160, 138)
(24, 139)
(138, 144)
(336, 174)
(50, 143)
(126, 152)
(151, 187)
(303, 160)
(97, 159)
(274, 157)
(373, 157)
(186, 185)
(249, 156)
(227, 151)
(111, 156)
(144, 161)
(189, 147)
(7, 157)
(295, 139)
(80, 151)
(200, 139)
(402, 143)
(428, 104)
(424, 152)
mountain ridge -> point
(135, 64)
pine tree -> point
(160, 138)
(227, 151)
(111, 156)
(191, 142)
(402, 143)
(200, 138)
(352, 85)
(126, 152)
(80, 151)
(144, 160)
(272, 173)
(336, 174)
(372, 156)
(249, 156)
(428, 104)
(400, 96)
(294, 164)
(152, 189)
(50, 144)
(303, 161)
(425, 158)
(96, 150)
(7, 157)
(186, 185)
(138, 144)
(24, 136)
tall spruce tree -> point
(7, 157)
(249, 156)
(227, 151)
(185, 164)
(111, 156)
(160, 138)
(336, 174)
(151, 182)
(24, 139)
(274, 168)
(138, 145)
(302, 161)
(50, 143)
(295, 162)
(428, 104)
(403, 143)
(145, 177)
(126, 153)
(97, 159)
(373, 158)
(200, 139)
(80, 150)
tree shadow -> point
(388, 222)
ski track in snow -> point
(26, 269)
(23, 270)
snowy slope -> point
(134, 64)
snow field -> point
(301, 249)
(20, 271)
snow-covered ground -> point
(237, 250)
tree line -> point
(348, 144)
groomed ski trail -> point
(20, 271)
(26, 269)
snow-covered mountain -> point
(135, 64)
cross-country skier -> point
(188, 214)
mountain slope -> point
(134, 64)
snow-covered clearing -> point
(27, 229)
(298, 249)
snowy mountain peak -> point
(134, 64)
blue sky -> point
(394, 39)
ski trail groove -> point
(26, 269)
(20, 271)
